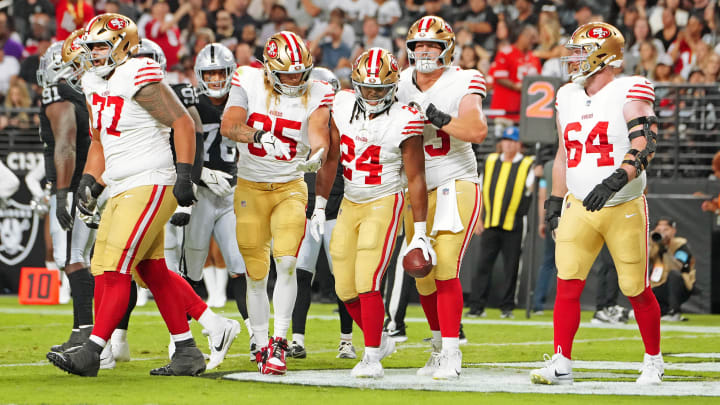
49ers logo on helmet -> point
(75, 44)
(599, 33)
(272, 49)
(116, 24)
(393, 63)
(448, 28)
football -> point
(415, 264)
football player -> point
(378, 138)
(132, 112)
(64, 132)
(310, 249)
(451, 98)
(607, 133)
(279, 117)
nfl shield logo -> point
(446, 191)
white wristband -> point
(420, 228)
(320, 203)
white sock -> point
(221, 282)
(450, 344)
(258, 306)
(346, 337)
(299, 338)
(98, 340)
(181, 336)
(284, 294)
(248, 326)
(211, 321)
(436, 339)
(119, 335)
(209, 280)
(373, 353)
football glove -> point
(436, 117)
(183, 190)
(272, 145)
(217, 181)
(62, 211)
(88, 192)
(422, 241)
(317, 221)
(40, 204)
(313, 163)
(181, 217)
(553, 209)
(605, 190)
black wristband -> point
(183, 171)
(257, 135)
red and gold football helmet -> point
(286, 53)
(116, 31)
(75, 56)
(430, 29)
(593, 45)
(375, 76)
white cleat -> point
(142, 297)
(221, 341)
(387, 346)
(431, 366)
(346, 350)
(368, 368)
(107, 361)
(652, 371)
(120, 346)
(557, 370)
(450, 365)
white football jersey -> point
(136, 146)
(446, 157)
(595, 134)
(370, 148)
(283, 116)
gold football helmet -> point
(593, 45)
(75, 56)
(375, 76)
(430, 29)
(286, 53)
(116, 31)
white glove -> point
(217, 181)
(313, 164)
(422, 241)
(273, 145)
(317, 221)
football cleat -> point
(297, 351)
(346, 350)
(387, 346)
(120, 346)
(431, 365)
(557, 370)
(507, 315)
(77, 338)
(79, 361)
(449, 366)
(368, 368)
(186, 361)
(274, 357)
(107, 359)
(652, 371)
(398, 334)
(254, 349)
(461, 336)
(221, 341)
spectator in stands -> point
(203, 36)
(371, 38)
(239, 14)
(163, 29)
(629, 17)
(244, 56)
(124, 7)
(512, 63)
(9, 40)
(348, 35)
(436, 7)
(686, 48)
(549, 44)
(414, 8)
(663, 72)
(278, 15)
(332, 53)
(23, 9)
(648, 59)
(71, 15)
(29, 65)
(554, 66)
(482, 21)
(40, 29)
(526, 14)
(305, 12)
(388, 13)
(225, 31)
(641, 33)
(711, 67)
(669, 28)
(355, 10)
(249, 36)
(17, 97)
(583, 15)
(9, 67)
(658, 18)
(469, 59)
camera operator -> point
(673, 269)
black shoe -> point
(297, 351)
(78, 360)
(77, 338)
(187, 361)
(461, 336)
(398, 334)
(476, 313)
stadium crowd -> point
(673, 41)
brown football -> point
(415, 264)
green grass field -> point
(27, 332)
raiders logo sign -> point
(18, 230)
(272, 49)
(116, 24)
(599, 33)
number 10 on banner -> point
(38, 286)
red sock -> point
(430, 307)
(98, 292)
(355, 311)
(157, 277)
(373, 313)
(194, 305)
(113, 304)
(449, 306)
(647, 314)
(566, 316)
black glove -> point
(88, 192)
(61, 211)
(183, 190)
(436, 117)
(553, 208)
(603, 191)
(180, 219)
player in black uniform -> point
(309, 251)
(65, 136)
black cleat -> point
(186, 361)
(297, 351)
(78, 360)
(77, 338)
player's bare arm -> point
(95, 162)
(413, 157)
(559, 184)
(64, 127)
(632, 111)
(470, 125)
(233, 125)
(160, 101)
(319, 131)
(195, 115)
(326, 174)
